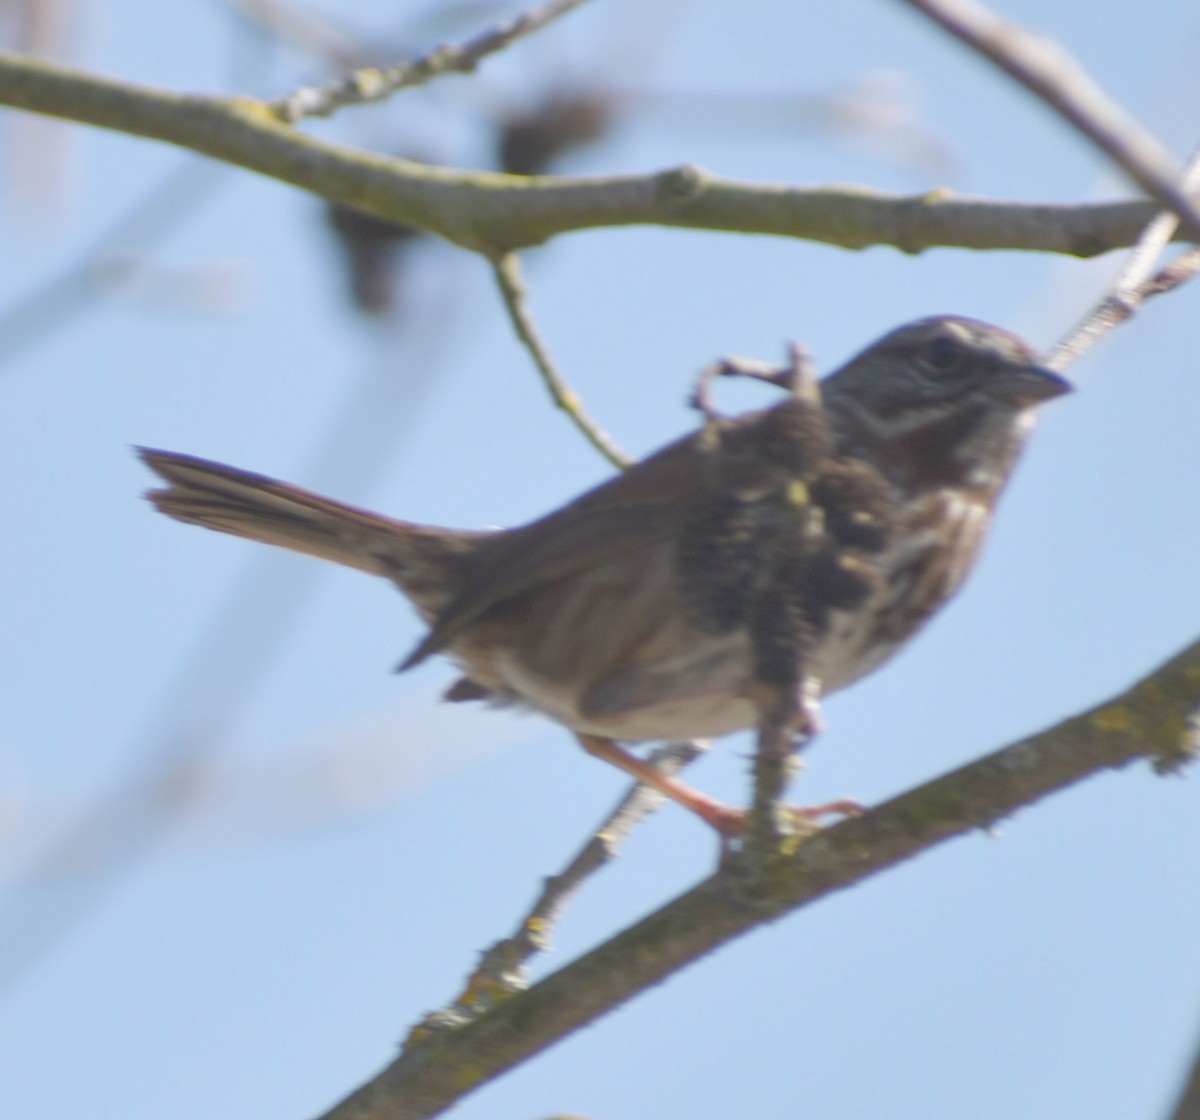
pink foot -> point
(731, 823)
(811, 814)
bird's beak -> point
(1030, 385)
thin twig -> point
(1155, 719)
(1113, 310)
(371, 84)
(1134, 283)
(1044, 68)
(503, 969)
(798, 377)
(507, 269)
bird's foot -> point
(730, 823)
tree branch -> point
(1187, 1107)
(1155, 719)
(507, 270)
(1135, 283)
(1044, 68)
(370, 84)
(493, 213)
(503, 969)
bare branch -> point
(507, 269)
(502, 970)
(1114, 309)
(1045, 69)
(798, 377)
(370, 84)
(1156, 719)
(492, 213)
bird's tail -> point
(200, 492)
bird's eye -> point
(944, 357)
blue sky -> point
(345, 845)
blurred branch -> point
(215, 680)
(157, 213)
(371, 250)
(301, 29)
(873, 113)
(1044, 68)
(507, 269)
(493, 213)
(530, 141)
(371, 84)
(35, 161)
(1187, 1107)
(1156, 719)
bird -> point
(793, 549)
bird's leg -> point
(724, 818)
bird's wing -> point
(598, 528)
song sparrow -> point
(655, 605)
